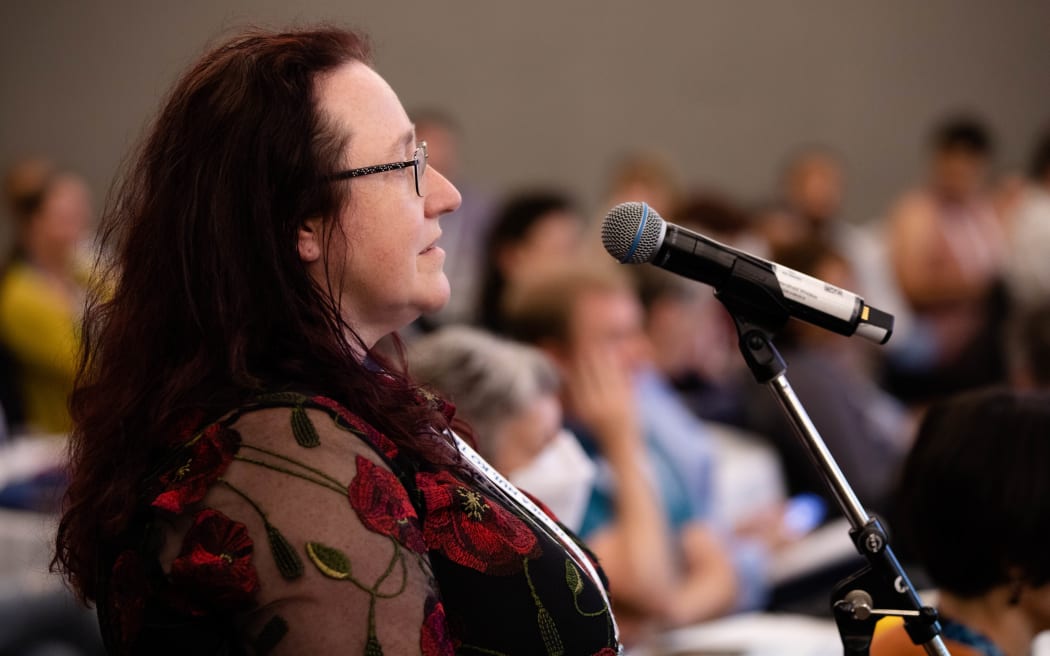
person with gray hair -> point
(508, 393)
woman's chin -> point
(436, 300)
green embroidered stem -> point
(312, 470)
(424, 566)
(284, 470)
(548, 631)
(303, 429)
(389, 566)
(400, 558)
(289, 564)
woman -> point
(280, 489)
(532, 231)
(975, 509)
(41, 293)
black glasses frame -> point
(418, 164)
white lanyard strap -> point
(526, 503)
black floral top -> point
(293, 527)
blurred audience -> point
(42, 289)
(508, 394)
(646, 516)
(643, 176)
(1028, 348)
(811, 188)
(974, 507)
(948, 249)
(1028, 268)
(693, 338)
(532, 231)
(719, 217)
(648, 177)
(867, 430)
(812, 192)
(697, 367)
(693, 343)
(463, 231)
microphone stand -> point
(881, 587)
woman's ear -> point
(310, 240)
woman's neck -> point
(993, 616)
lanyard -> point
(497, 479)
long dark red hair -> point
(209, 302)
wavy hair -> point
(209, 303)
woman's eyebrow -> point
(406, 141)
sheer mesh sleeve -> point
(335, 541)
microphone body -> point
(764, 291)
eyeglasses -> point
(418, 162)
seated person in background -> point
(1028, 268)
(1028, 348)
(42, 290)
(644, 176)
(508, 394)
(646, 516)
(974, 508)
(948, 250)
(531, 231)
(811, 189)
(695, 343)
(867, 430)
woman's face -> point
(64, 215)
(553, 239)
(387, 269)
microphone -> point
(760, 290)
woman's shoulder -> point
(280, 432)
(306, 420)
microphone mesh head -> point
(625, 236)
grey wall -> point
(549, 90)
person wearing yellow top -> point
(41, 292)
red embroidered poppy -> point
(605, 651)
(353, 423)
(434, 638)
(204, 461)
(214, 570)
(471, 529)
(128, 590)
(382, 503)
